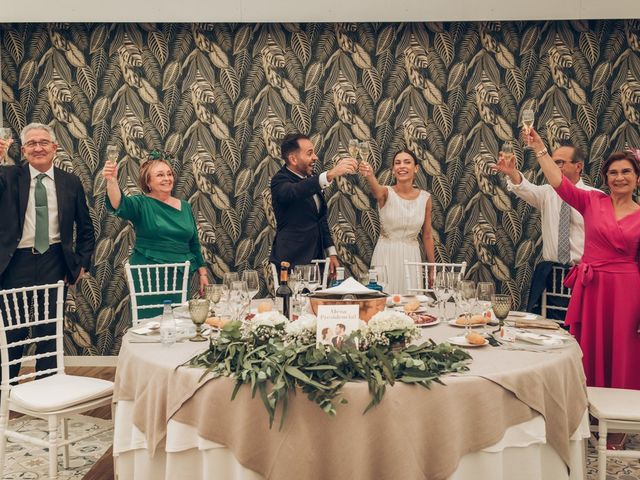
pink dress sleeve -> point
(574, 196)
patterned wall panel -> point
(221, 96)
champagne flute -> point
(501, 305)
(507, 150)
(353, 148)
(364, 150)
(527, 119)
(239, 299)
(452, 284)
(253, 282)
(227, 279)
(467, 289)
(5, 134)
(442, 292)
(198, 310)
(113, 152)
(300, 272)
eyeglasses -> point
(627, 172)
(38, 143)
(561, 163)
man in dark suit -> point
(41, 205)
(300, 209)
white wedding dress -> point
(400, 224)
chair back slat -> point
(156, 280)
(417, 274)
(28, 307)
(557, 291)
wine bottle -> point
(284, 291)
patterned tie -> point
(41, 243)
(564, 256)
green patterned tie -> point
(41, 243)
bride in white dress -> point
(405, 211)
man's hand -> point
(79, 277)
(333, 264)
(4, 146)
(507, 165)
(343, 167)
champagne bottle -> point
(284, 291)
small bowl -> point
(368, 306)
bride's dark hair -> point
(407, 151)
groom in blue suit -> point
(302, 232)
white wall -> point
(312, 11)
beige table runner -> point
(413, 433)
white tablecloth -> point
(522, 454)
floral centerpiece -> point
(275, 357)
(389, 328)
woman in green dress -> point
(164, 225)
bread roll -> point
(475, 338)
(264, 307)
(473, 320)
(412, 306)
(215, 322)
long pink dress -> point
(604, 311)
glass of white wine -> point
(113, 152)
(507, 151)
(353, 148)
(528, 117)
(5, 134)
(364, 150)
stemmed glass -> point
(239, 299)
(213, 293)
(300, 272)
(527, 118)
(294, 284)
(507, 149)
(198, 310)
(113, 152)
(501, 305)
(253, 282)
(364, 150)
(453, 278)
(5, 134)
(442, 292)
(467, 292)
(353, 148)
(484, 293)
(227, 279)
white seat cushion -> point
(614, 403)
(58, 392)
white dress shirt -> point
(29, 227)
(324, 183)
(545, 199)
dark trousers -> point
(542, 278)
(27, 269)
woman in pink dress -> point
(604, 311)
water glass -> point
(467, 293)
(312, 276)
(198, 310)
(213, 293)
(442, 292)
(501, 305)
(484, 293)
(239, 299)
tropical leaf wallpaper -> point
(221, 96)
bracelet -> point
(542, 153)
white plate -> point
(453, 323)
(430, 324)
(463, 342)
(404, 299)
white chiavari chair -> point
(618, 411)
(556, 291)
(417, 274)
(48, 394)
(157, 281)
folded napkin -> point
(348, 287)
(546, 340)
(146, 328)
(513, 315)
(541, 323)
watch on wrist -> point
(542, 152)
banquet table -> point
(516, 414)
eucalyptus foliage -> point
(274, 367)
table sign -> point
(335, 323)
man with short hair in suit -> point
(302, 232)
(41, 205)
